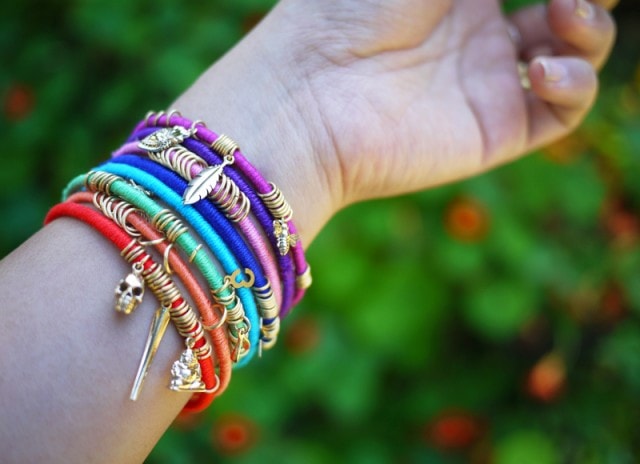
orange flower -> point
(303, 335)
(547, 378)
(621, 223)
(454, 430)
(234, 434)
(613, 304)
(466, 219)
(18, 102)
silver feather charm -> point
(202, 185)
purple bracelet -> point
(256, 195)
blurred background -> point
(496, 320)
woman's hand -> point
(335, 101)
(415, 93)
(393, 96)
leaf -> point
(527, 447)
(201, 185)
(498, 310)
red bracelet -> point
(210, 317)
(123, 241)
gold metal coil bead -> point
(167, 222)
(183, 316)
(241, 209)
(203, 352)
(226, 194)
(304, 280)
(178, 159)
(156, 117)
(148, 116)
(269, 334)
(132, 251)
(146, 243)
(100, 181)
(266, 301)
(186, 321)
(175, 230)
(116, 210)
(225, 300)
(235, 314)
(276, 203)
(172, 112)
(225, 145)
(230, 199)
(161, 219)
(161, 284)
(127, 249)
(222, 299)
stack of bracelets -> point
(178, 199)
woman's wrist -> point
(251, 96)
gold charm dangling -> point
(186, 374)
(130, 290)
(241, 345)
(284, 239)
(233, 279)
(158, 327)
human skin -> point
(335, 101)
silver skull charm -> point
(130, 290)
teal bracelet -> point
(110, 182)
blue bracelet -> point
(220, 223)
(211, 238)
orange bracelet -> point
(210, 317)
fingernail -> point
(584, 9)
(553, 71)
(514, 34)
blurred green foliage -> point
(496, 320)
